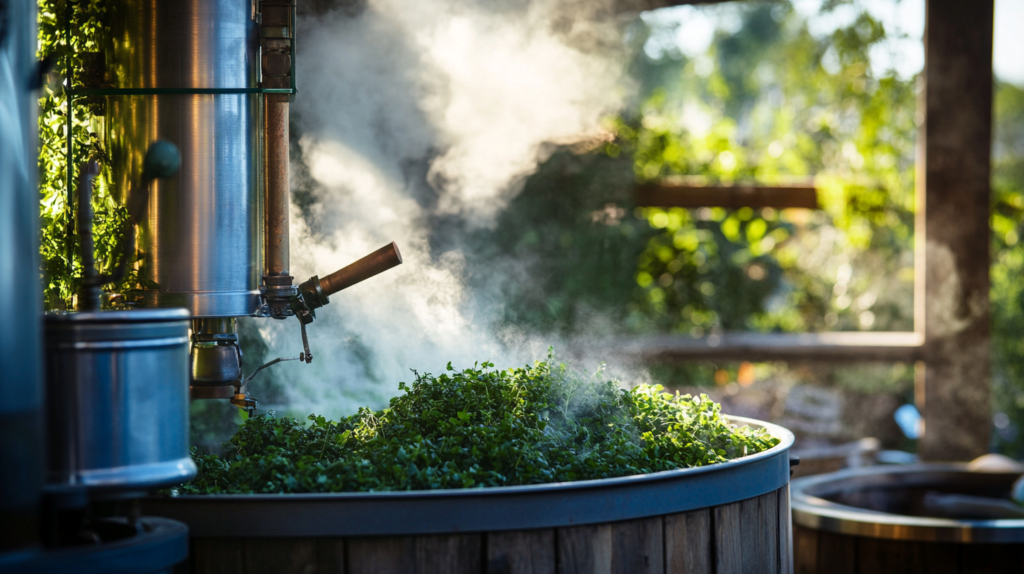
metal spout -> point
(315, 291)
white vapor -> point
(407, 110)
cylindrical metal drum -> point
(21, 306)
(201, 235)
(117, 388)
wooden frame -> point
(847, 346)
(730, 196)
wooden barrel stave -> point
(749, 536)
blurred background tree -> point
(1007, 272)
(769, 101)
(70, 35)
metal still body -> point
(201, 236)
(214, 78)
(21, 306)
(118, 407)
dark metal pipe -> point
(89, 296)
(277, 199)
(161, 162)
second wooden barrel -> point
(880, 520)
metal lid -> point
(811, 509)
(131, 316)
(155, 326)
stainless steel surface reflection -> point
(21, 305)
(117, 399)
(201, 237)
(183, 44)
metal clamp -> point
(277, 44)
(277, 293)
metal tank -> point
(21, 306)
(117, 383)
(215, 78)
(201, 236)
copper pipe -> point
(377, 262)
(277, 193)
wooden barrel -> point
(726, 518)
(877, 520)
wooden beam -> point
(952, 283)
(859, 346)
(733, 197)
(642, 5)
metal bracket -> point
(276, 294)
(277, 44)
(245, 401)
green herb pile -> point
(481, 427)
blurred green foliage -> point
(70, 31)
(1007, 272)
(776, 105)
(769, 102)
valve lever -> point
(306, 355)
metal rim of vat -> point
(158, 546)
(137, 476)
(484, 509)
(811, 510)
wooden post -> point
(952, 284)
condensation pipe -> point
(277, 200)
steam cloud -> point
(408, 110)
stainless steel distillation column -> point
(21, 306)
(214, 77)
(194, 66)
